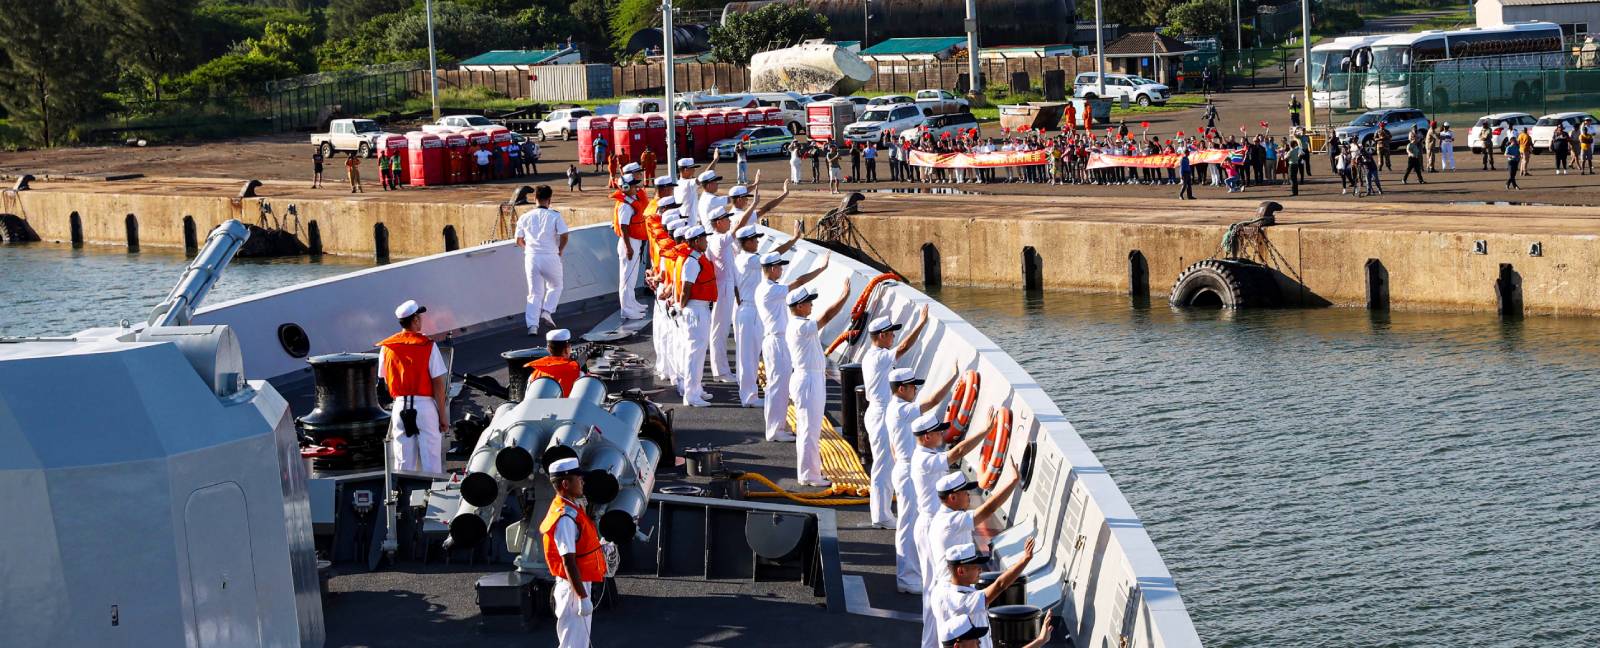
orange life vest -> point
(635, 227)
(562, 370)
(655, 233)
(705, 283)
(406, 368)
(591, 561)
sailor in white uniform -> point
(961, 610)
(542, 235)
(809, 389)
(929, 463)
(414, 372)
(954, 524)
(876, 363)
(772, 300)
(688, 189)
(628, 221)
(661, 319)
(903, 409)
(747, 319)
(697, 289)
(709, 200)
(720, 248)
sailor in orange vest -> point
(572, 552)
(697, 290)
(660, 240)
(415, 373)
(559, 365)
(673, 250)
(627, 221)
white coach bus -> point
(1336, 69)
(1438, 68)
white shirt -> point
(721, 250)
(436, 366)
(566, 532)
(688, 194)
(540, 229)
(747, 278)
(770, 304)
(949, 528)
(708, 202)
(950, 602)
(805, 349)
(875, 366)
(927, 466)
(899, 414)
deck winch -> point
(346, 428)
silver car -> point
(1398, 121)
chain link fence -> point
(1462, 97)
(309, 101)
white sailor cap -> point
(773, 259)
(558, 335)
(960, 629)
(632, 167)
(668, 200)
(961, 554)
(686, 163)
(801, 296)
(928, 424)
(628, 179)
(747, 232)
(561, 467)
(719, 212)
(408, 308)
(903, 376)
(955, 482)
(678, 228)
(665, 181)
(670, 215)
(709, 175)
(693, 232)
(738, 190)
(882, 325)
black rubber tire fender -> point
(1236, 283)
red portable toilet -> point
(455, 155)
(500, 138)
(627, 138)
(588, 127)
(695, 128)
(736, 119)
(716, 128)
(395, 144)
(771, 116)
(425, 159)
(655, 135)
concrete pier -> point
(1396, 255)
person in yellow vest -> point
(559, 365)
(627, 221)
(572, 551)
(415, 373)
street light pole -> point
(1305, 62)
(672, 122)
(433, 61)
(866, 14)
(1099, 48)
(974, 70)
(1238, 27)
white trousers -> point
(1449, 150)
(659, 333)
(907, 560)
(722, 327)
(747, 349)
(775, 355)
(697, 330)
(930, 626)
(882, 494)
(794, 171)
(572, 629)
(809, 391)
(544, 285)
(416, 453)
(628, 276)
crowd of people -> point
(474, 163)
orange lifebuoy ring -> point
(962, 402)
(858, 312)
(999, 439)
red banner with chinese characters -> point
(976, 160)
(1159, 161)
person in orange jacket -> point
(559, 365)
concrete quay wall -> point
(1423, 257)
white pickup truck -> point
(939, 102)
(457, 123)
(360, 136)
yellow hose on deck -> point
(840, 465)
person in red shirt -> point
(559, 365)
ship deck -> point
(433, 603)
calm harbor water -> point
(1312, 478)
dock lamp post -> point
(1305, 64)
(866, 15)
(433, 61)
(666, 78)
(1099, 48)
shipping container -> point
(569, 82)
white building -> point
(1576, 17)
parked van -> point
(794, 110)
(641, 106)
(701, 101)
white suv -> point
(875, 125)
(1137, 89)
(561, 123)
